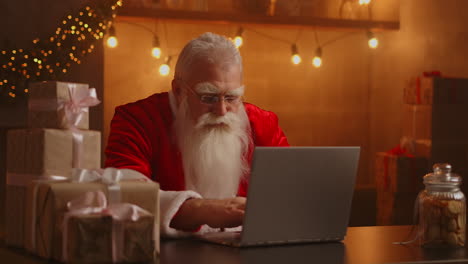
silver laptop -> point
(296, 195)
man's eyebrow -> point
(206, 87)
(236, 92)
(209, 88)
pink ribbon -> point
(96, 203)
(79, 103)
(74, 108)
(109, 176)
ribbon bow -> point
(109, 176)
(79, 103)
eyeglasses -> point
(210, 99)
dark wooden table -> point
(362, 245)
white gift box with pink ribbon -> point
(46, 204)
(97, 232)
(60, 105)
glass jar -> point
(442, 209)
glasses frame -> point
(219, 97)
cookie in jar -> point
(442, 209)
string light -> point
(317, 60)
(156, 51)
(364, 2)
(165, 69)
(112, 40)
(67, 44)
(295, 58)
(373, 42)
(238, 40)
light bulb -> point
(112, 42)
(373, 42)
(296, 59)
(364, 2)
(317, 61)
(238, 41)
(156, 52)
(164, 70)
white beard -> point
(213, 156)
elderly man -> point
(196, 140)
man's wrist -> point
(190, 217)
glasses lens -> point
(209, 99)
(231, 99)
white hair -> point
(209, 48)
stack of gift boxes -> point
(434, 130)
(57, 160)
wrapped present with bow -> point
(38, 153)
(60, 105)
(46, 203)
(399, 171)
(398, 177)
(95, 232)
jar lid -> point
(442, 174)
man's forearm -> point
(189, 217)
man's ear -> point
(177, 90)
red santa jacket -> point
(141, 138)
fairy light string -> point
(50, 58)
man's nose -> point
(220, 108)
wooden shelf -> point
(257, 19)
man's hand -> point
(215, 213)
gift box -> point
(60, 105)
(107, 234)
(52, 151)
(435, 89)
(14, 215)
(40, 153)
(417, 121)
(399, 178)
(441, 123)
(46, 204)
(399, 173)
(419, 90)
(395, 208)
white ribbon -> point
(96, 203)
(409, 144)
(110, 177)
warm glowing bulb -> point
(156, 52)
(296, 59)
(238, 41)
(112, 42)
(317, 61)
(364, 2)
(164, 70)
(373, 42)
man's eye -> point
(231, 99)
(209, 99)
